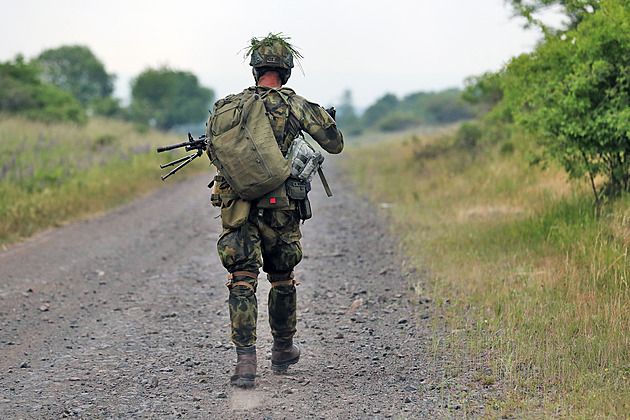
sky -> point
(370, 47)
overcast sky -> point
(371, 47)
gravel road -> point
(124, 316)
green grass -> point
(537, 284)
(54, 173)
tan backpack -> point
(242, 145)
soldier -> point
(269, 238)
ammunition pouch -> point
(297, 190)
(293, 194)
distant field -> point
(53, 173)
(531, 283)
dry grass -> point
(54, 173)
(537, 282)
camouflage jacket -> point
(290, 113)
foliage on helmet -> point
(274, 50)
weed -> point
(536, 279)
(52, 173)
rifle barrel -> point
(172, 146)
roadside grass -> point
(54, 173)
(531, 283)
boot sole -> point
(243, 381)
(281, 367)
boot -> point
(245, 372)
(283, 355)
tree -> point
(76, 70)
(483, 92)
(574, 10)
(573, 92)
(23, 92)
(169, 98)
(347, 118)
(379, 109)
(445, 107)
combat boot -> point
(245, 372)
(284, 355)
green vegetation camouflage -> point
(272, 51)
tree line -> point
(70, 83)
(389, 113)
(570, 96)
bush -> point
(397, 121)
(468, 135)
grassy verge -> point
(54, 173)
(536, 284)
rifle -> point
(199, 145)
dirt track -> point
(125, 316)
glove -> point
(331, 111)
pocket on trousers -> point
(287, 225)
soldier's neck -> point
(270, 79)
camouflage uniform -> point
(269, 238)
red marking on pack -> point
(272, 200)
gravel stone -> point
(140, 328)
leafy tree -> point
(414, 103)
(76, 70)
(573, 92)
(483, 92)
(379, 109)
(169, 98)
(574, 10)
(444, 107)
(390, 114)
(107, 107)
(23, 92)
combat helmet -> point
(274, 52)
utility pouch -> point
(305, 161)
(304, 209)
(276, 199)
(296, 188)
(234, 212)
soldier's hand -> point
(331, 111)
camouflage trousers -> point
(269, 239)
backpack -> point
(242, 145)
